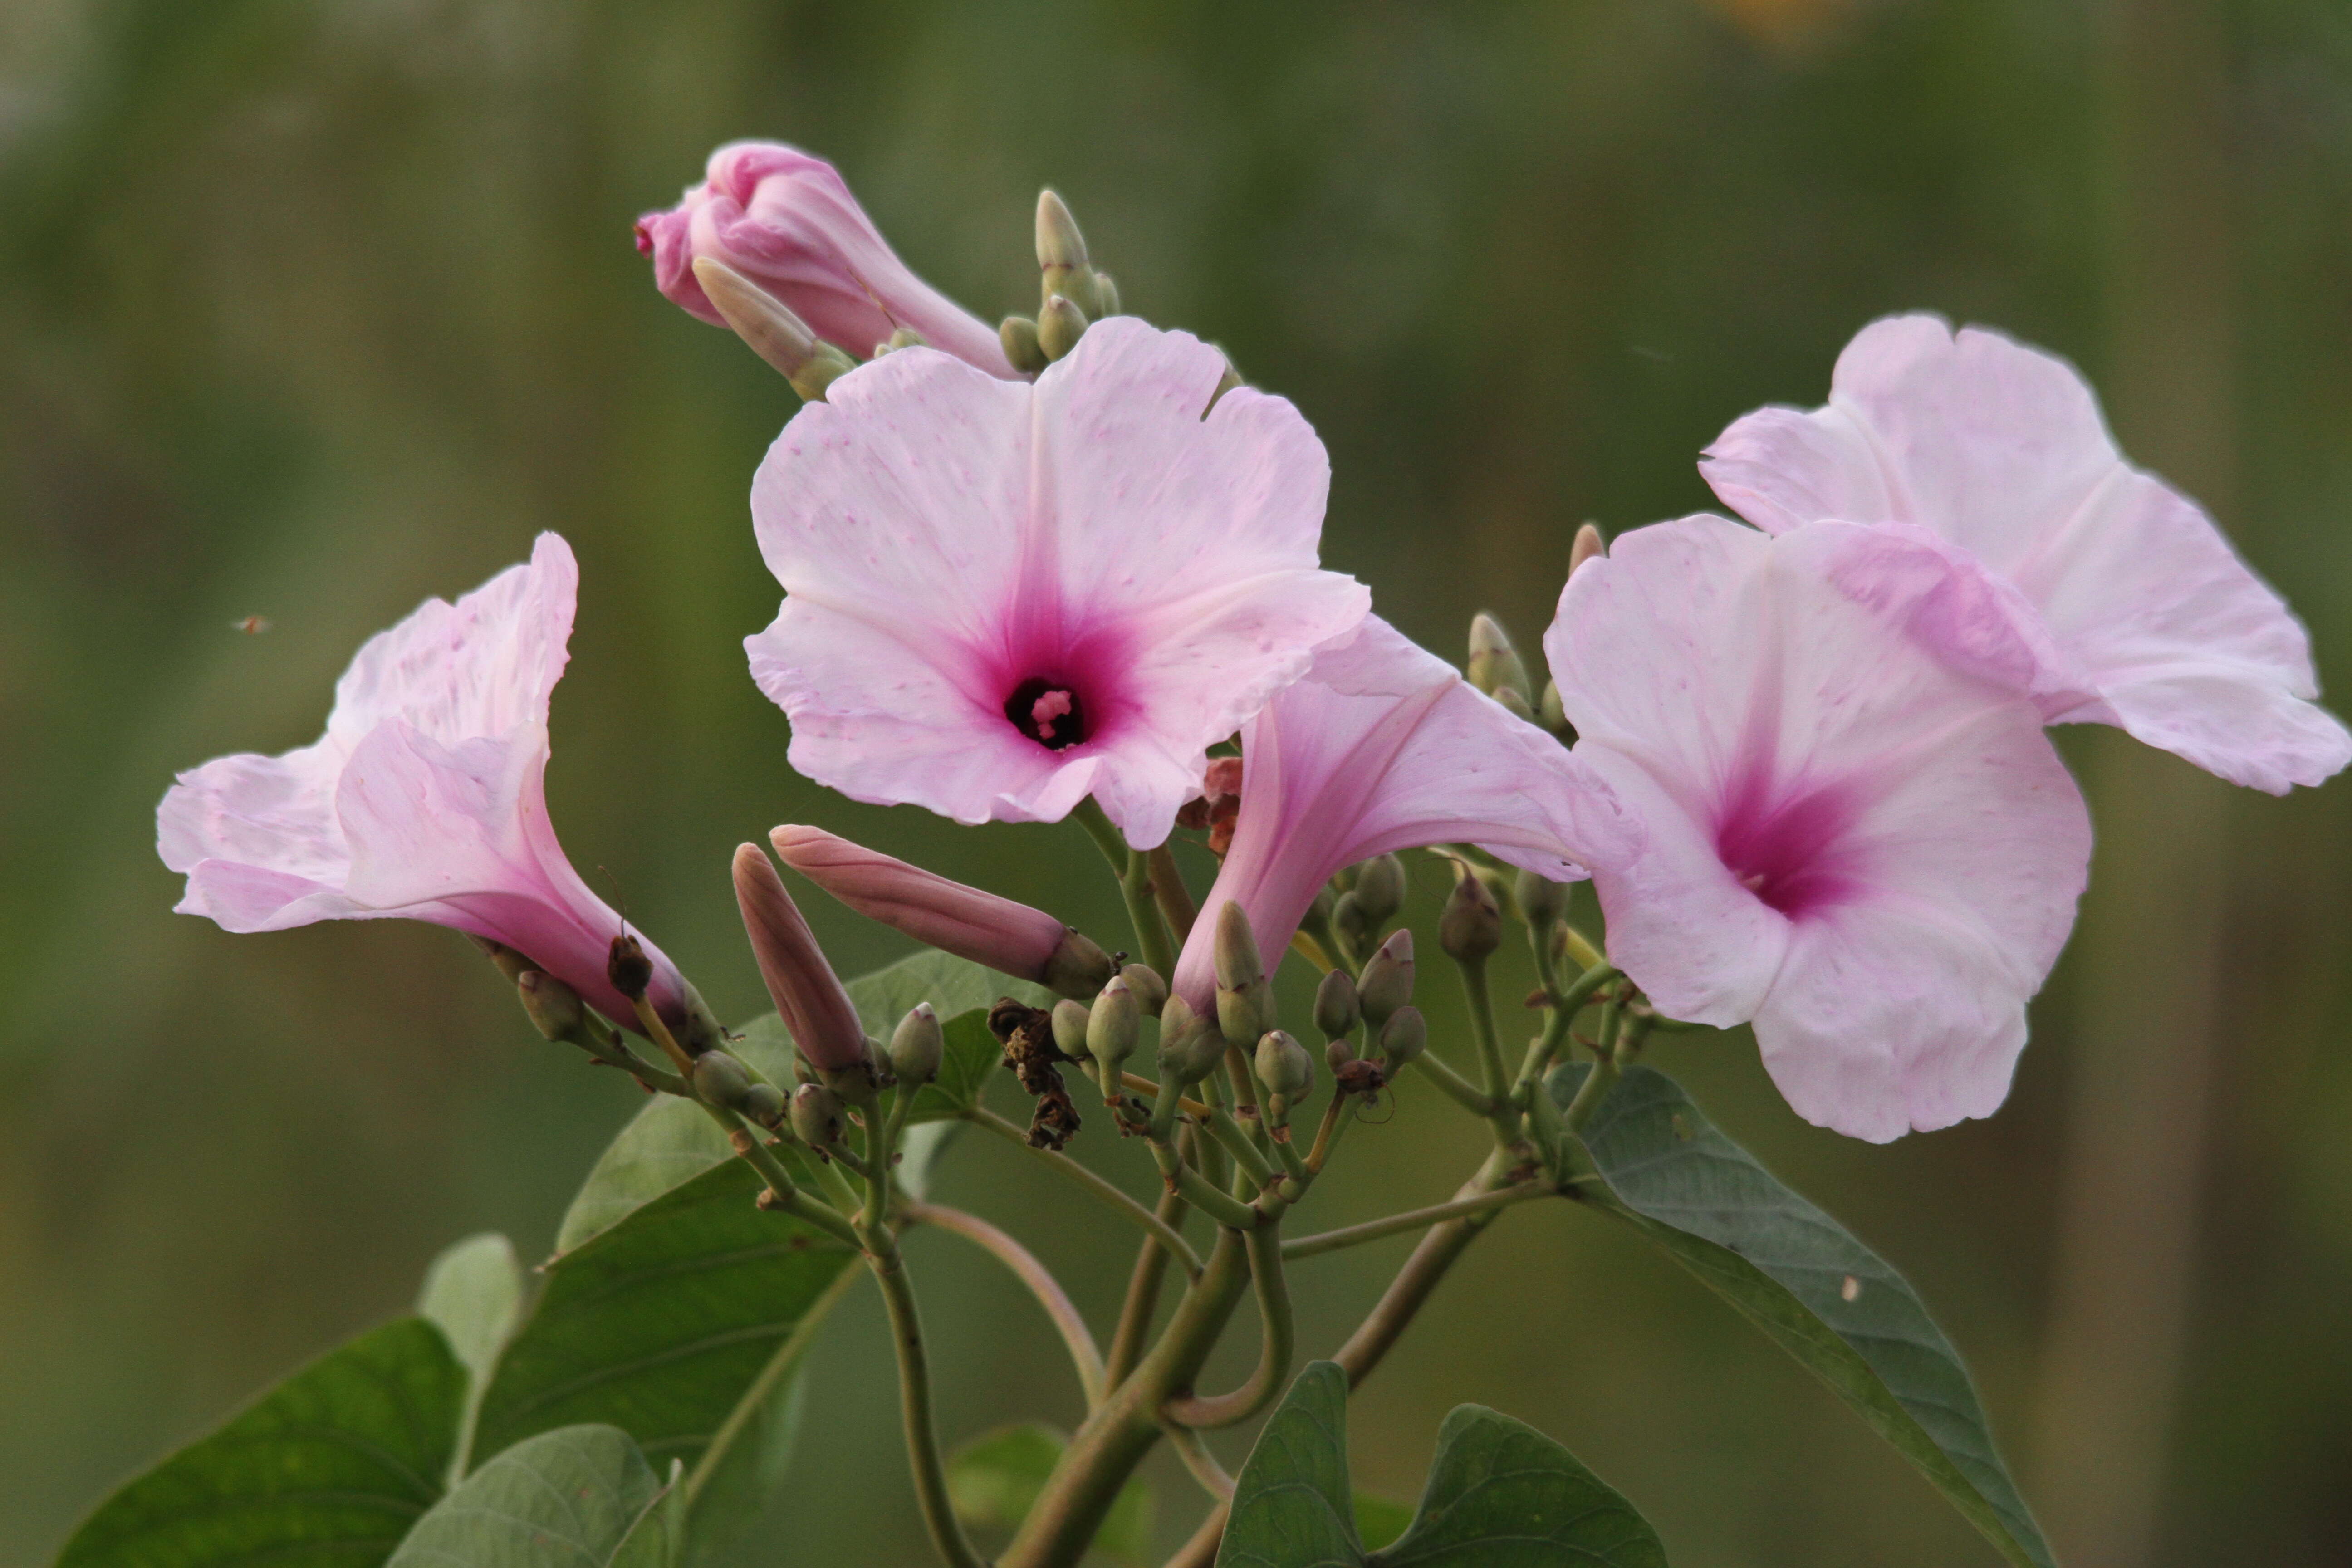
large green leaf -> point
(567, 1498)
(662, 1324)
(994, 1480)
(329, 1469)
(671, 1141)
(1829, 1301)
(1500, 1495)
(473, 1294)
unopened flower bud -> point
(1513, 704)
(1354, 928)
(1061, 248)
(1336, 1007)
(1338, 1054)
(1588, 545)
(1553, 714)
(903, 338)
(1078, 968)
(1403, 1036)
(1244, 1014)
(1472, 926)
(1541, 900)
(1381, 884)
(917, 1047)
(627, 967)
(554, 1007)
(1386, 984)
(719, 1079)
(1106, 296)
(809, 997)
(863, 1080)
(816, 1115)
(1283, 1065)
(1019, 336)
(1237, 958)
(1494, 664)
(1111, 1027)
(767, 1105)
(773, 332)
(1190, 1046)
(1070, 1028)
(1060, 324)
(1150, 990)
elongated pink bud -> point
(1013, 939)
(807, 993)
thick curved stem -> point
(1200, 1463)
(1127, 1207)
(915, 1413)
(1276, 1349)
(1201, 1551)
(1024, 1267)
(1414, 1219)
(1419, 1279)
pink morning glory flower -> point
(422, 801)
(2111, 598)
(1869, 853)
(786, 221)
(1003, 598)
(1385, 747)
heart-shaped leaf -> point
(1796, 1273)
(572, 1498)
(329, 1469)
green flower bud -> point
(816, 1115)
(1078, 968)
(1059, 326)
(767, 1105)
(1336, 1006)
(1588, 545)
(1019, 336)
(1283, 1065)
(719, 1079)
(1553, 714)
(1541, 900)
(1386, 984)
(1106, 296)
(1494, 664)
(1070, 1028)
(1190, 1046)
(825, 367)
(1472, 926)
(1111, 1030)
(1235, 952)
(903, 338)
(1404, 1036)
(917, 1047)
(1245, 1014)
(771, 330)
(555, 1008)
(1150, 990)
(1354, 928)
(1338, 1054)
(1061, 248)
(1381, 884)
(1513, 704)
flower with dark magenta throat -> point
(1873, 855)
(1002, 598)
(787, 221)
(2098, 589)
(424, 799)
(1383, 746)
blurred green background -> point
(310, 309)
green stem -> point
(1202, 1464)
(1414, 1283)
(1276, 1349)
(915, 1411)
(1490, 1050)
(1413, 1219)
(1461, 1088)
(1133, 868)
(784, 1193)
(1135, 1213)
(1545, 1047)
(1201, 1193)
(1142, 1299)
(1023, 1266)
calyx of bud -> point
(720, 1081)
(1079, 968)
(1283, 1065)
(1190, 1046)
(917, 1047)
(1471, 929)
(1494, 664)
(1386, 984)
(773, 332)
(555, 1009)
(1112, 1025)
(816, 1116)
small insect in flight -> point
(251, 625)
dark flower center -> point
(1048, 712)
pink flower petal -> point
(2146, 614)
(1384, 747)
(961, 555)
(1872, 854)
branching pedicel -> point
(1047, 573)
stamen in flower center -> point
(1047, 712)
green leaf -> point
(662, 1324)
(1503, 1495)
(1796, 1273)
(1381, 1520)
(329, 1469)
(1292, 1505)
(671, 1141)
(472, 1293)
(1500, 1495)
(567, 1498)
(993, 1482)
(658, 1539)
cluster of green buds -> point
(1071, 295)
(1497, 668)
(1362, 901)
